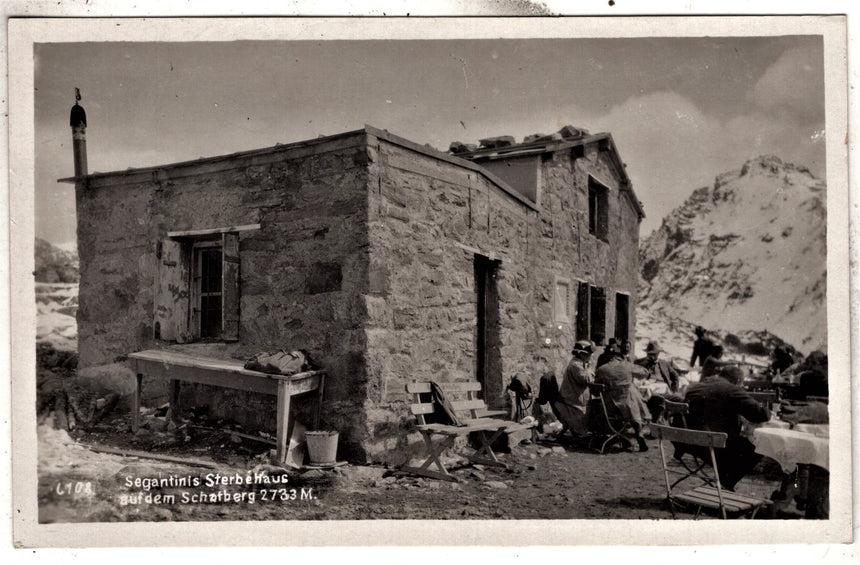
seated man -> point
(617, 375)
(661, 370)
(716, 403)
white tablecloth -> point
(790, 447)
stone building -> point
(386, 260)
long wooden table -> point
(225, 373)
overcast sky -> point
(681, 110)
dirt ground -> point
(545, 479)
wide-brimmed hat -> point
(582, 346)
(653, 347)
(613, 349)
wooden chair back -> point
(607, 418)
(464, 399)
(676, 411)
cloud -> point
(793, 86)
(672, 146)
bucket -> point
(322, 447)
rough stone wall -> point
(567, 249)
(428, 218)
(303, 274)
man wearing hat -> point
(605, 356)
(573, 392)
(659, 369)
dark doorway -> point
(622, 316)
(488, 366)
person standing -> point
(716, 404)
(570, 405)
(702, 347)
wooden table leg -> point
(135, 403)
(174, 407)
(284, 425)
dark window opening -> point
(598, 315)
(208, 278)
(582, 304)
(591, 313)
(598, 209)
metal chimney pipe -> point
(78, 121)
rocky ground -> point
(545, 479)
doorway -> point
(488, 366)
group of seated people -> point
(715, 402)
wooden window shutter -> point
(230, 289)
(171, 302)
(582, 317)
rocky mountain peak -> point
(747, 253)
(54, 265)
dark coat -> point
(716, 405)
(618, 376)
(702, 349)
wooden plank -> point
(692, 437)
(152, 357)
(729, 495)
(705, 498)
(213, 231)
(230, 286)
(283, 421)
(156, 456)
(256, 382)
(427, 408)
(462, 405)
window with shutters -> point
(197, 286)
(207, 289)
(590, 312)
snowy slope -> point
(748, 253)
(56, 307)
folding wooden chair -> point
(605, 421)
(709, 494)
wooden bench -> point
(472, 411)
(225, 373)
